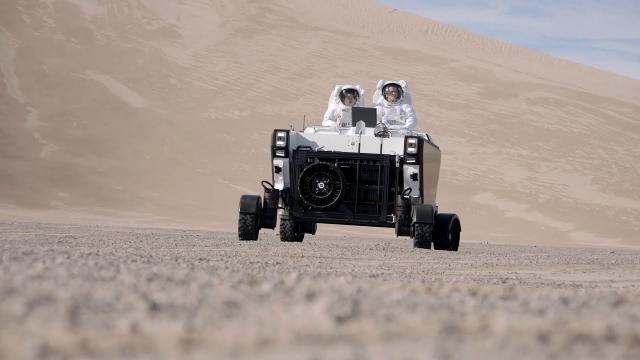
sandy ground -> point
(71, 291)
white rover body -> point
(352, 176)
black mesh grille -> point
(366, 183)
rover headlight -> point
(281, 139)
(411, 145)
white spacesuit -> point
(342, 98)
(393, 104)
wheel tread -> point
(248, 227)
(422, 236)
(288, 231)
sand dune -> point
(160, 112)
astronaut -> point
(341, 100)
(393, 104)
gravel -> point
(78, 291)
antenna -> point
(359, 130)
(304, 121)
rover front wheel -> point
(289, 232)
(422, 235)
(248, 227)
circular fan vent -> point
(321, 185)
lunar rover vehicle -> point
(364, 175)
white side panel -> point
(326, 142)
(370, 145)
(390, 146)
(347, 142)
(393, 146)
(431, 169)
(281, 180)
(407, 171)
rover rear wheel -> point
(447, 232)
(422, 235)
(289, 231)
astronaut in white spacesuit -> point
(341, 100)
(393, 104)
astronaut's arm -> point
(410, 120)
(383, 119)
(330, 118)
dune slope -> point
(162, 112)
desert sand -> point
(111, 292)
(159, 112)
(130, 128)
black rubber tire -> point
(447, 232)
(248, 227)
(289, 231)
(455, 237)
(422, 236)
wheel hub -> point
(321, 185)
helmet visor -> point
(349, 97)
(392, 92)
